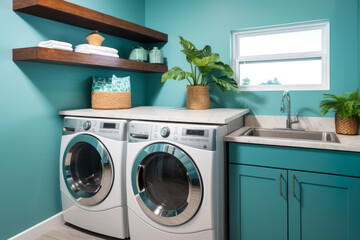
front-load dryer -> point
(176, 181)
(92, 175)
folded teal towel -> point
(110, 84)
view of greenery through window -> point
(280, 73)
(247, 81)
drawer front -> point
(304, 159)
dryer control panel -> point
(110, 128)
(197, 136)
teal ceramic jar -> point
(156, 56)
(138, 54)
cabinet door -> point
(258, 203)
(323, 207)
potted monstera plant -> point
(202, 63)
(347, 111)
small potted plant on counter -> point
(347, 111)
(202, 62)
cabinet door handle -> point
(280, 184)
(293, 185)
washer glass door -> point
(166, 184)
(87, 170)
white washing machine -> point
(176, 181)
(92, 175)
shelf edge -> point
(62, 57)
(72, 14)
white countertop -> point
(169, 114)
(347, 142)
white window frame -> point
(322, 55)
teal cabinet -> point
(279, 204)
(302, 159)
(258, 203)
(323, 206)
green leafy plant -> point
(346, 104)
(202, 62)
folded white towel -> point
(56, 47)
(59, 43)
(97, 48)
(97, 53)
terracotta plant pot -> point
(197, 97)
(95, 38)
(347, 126)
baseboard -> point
(40, 228)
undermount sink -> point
(292, 134)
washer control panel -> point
(87, 125)
(165, 132)
(110, 128)
(196, 136)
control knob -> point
(165, 132)
(87, 125)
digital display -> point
(109, 125)
(195, 132)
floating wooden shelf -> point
(48, 55)
(69, 13)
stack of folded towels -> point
(91, 49)
(56, 45)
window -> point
(291, 57)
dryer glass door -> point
(87, 170)
(166, 184)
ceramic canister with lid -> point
(138, 54)
(156, 56)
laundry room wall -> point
(358, 46)
(31, 95)
(210, 22)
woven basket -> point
(110, 100)
(197, 97)
(347, 126)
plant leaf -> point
(189, 49)
(218, 65)
(225, 83)
(176, 73)
(222, 66)
(201, 62)
(205, 52)
(354, 96)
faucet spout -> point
(282, 108)
(289, 122)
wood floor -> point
(70, 232)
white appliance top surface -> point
(168, 114)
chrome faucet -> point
(289, 122)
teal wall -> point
(30, 129)
(31, 95)
(210, 22)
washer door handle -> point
(141, 178)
